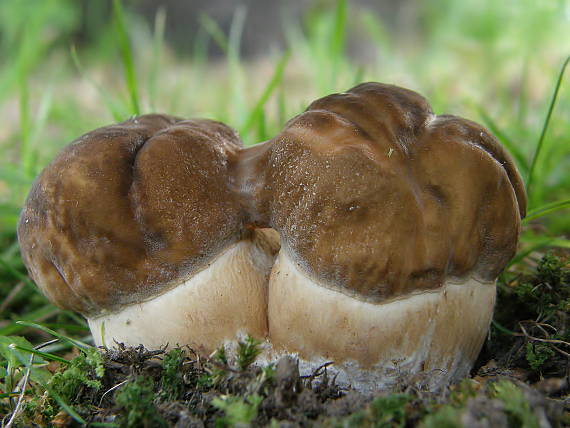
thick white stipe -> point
(215, 305)
(432, 337)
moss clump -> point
(531, 323)
(516, 405)
(85, 370)
(537, 354)
(238, 411)
(389, 411)
(136, 400)
(248, 351)
(172, 377)
(445, 417)
(550, 270)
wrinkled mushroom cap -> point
(377, 197)
(130, 210)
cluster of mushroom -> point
(369, 232)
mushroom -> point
(394, 225)
(370, 232)
(134, 226)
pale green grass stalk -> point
(534, 165)
(157, 47)
(258, 109)
(127, 57)
(111, 105)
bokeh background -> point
(69, 66)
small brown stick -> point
(561, 342)
(540, 325)
(566, 354)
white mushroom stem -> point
(440, 332)
(215, 305)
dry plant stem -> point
(13, 293)
(318, 371)
(111, 389)
(540, 325)
(25, 383)
(22, 392)
(551, 341)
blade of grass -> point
(9, 395)
(9, 210)
(522, 105)
(78, 319)
(237, 79)
(338, 39)
(74, 342)
(375, 29)
(11, 252)
(273, 83)
(506, 140)
(539, 146)
(13, 175)
(30, 48)
(502, 329)
(67, 326)
(359, 75)
(44, 355)
(261, 127)
(281, 107)
(126, 56)
(62, 346)
(18, 275)
(43, 313)
(25, 151)
(38, 129)
(539, 244)
(66, 407)
(546, 209)
(158, 42)
(215, 32)
(116, 113)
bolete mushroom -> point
(134, 226)
(394, 224)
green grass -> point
(464, 59)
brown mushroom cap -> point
(377, 197)
(130, 210)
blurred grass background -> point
(69, 66)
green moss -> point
(248, 350)
(383, 412)
(136, 400)
(237, 411)
(172, 378)
(38, 409)
(549, 270)
(220, 355)
(83, 371)
(516, 405)
(217, 371)
(389, 411)
(463, 391)
(445, 417)
(537, 354)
